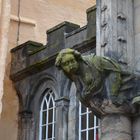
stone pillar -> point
(26, 126)
(115, 39)
(115, 34)
(136, 119)
(136, 126)
(62, 107)
(116, 127)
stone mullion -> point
(62, 107)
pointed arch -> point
(39, 87)
(47, 116)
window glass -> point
(88, 124)
(47, 117)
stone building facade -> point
(21, 21)
(41, 86)
(44, 92)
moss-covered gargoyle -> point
(100, 82)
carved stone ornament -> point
(102, 85)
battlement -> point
(31, 57)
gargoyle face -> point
(69, 64)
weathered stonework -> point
(33, 25)
(33, 71)
(115, 39)
(116, 127)
(62, 106)
(101, 83)
(115, 34)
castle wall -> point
(35, 16)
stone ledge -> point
(65, 23)
(62, 98)
(36, 44)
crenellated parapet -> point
(32, 57)
(33, 72)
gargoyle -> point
(99, 80)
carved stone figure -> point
(100, 82)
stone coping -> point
(61, 25)
(93, 8)
(76, 31)
(25, 44)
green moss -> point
(116, 85)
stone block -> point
(21, 55)
(73, 112)
(91, 25)
(116, 127)
(55, 36)
(76, 37)
(73, 130)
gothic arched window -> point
(47, 117)
(88, 124)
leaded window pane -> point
(83, 121)
(88, 124)
(91, 120)
(47, 117)
(50, 116)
